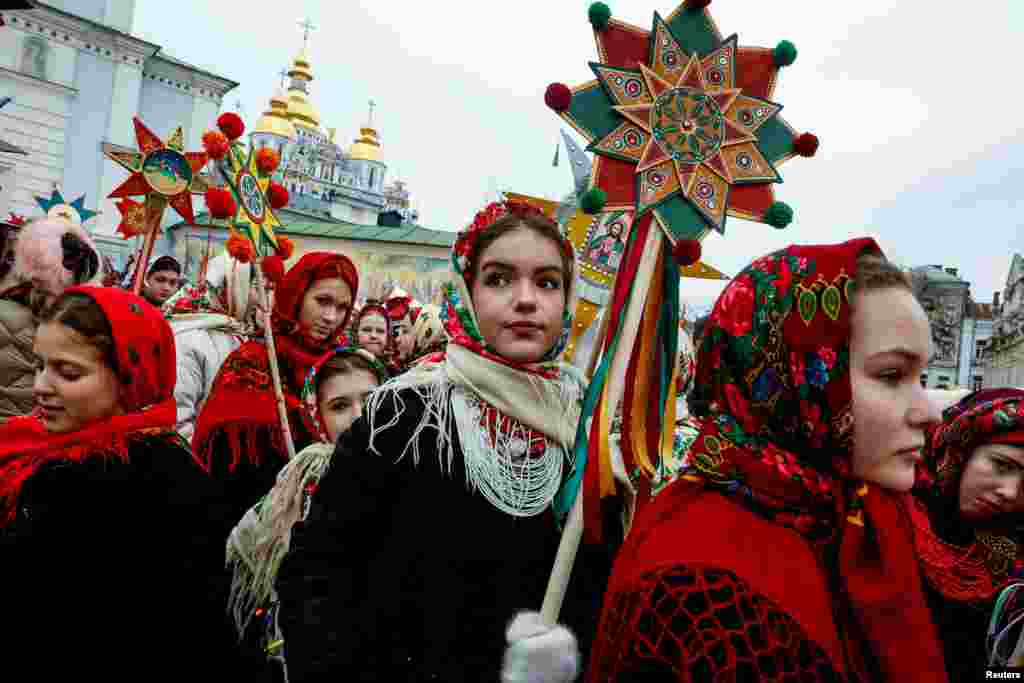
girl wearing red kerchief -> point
(238, 435)
(967, 512)
(372, 329)
(782, 552)
(110, 559)
(434, 524)
(402, 314)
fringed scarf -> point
(259, 542)
(146, 365)
(496, 406)
(975, 571)
(242, 404)
(772, 399)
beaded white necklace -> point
(500, 468)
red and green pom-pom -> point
(784, 53)
(686, 252)
(558, 96)
(267, 160)
(231, 125)
(273, 269)
(806, 144)
(599, 14)
(240, 248)
(778, 215)
(277, 195)
(220, 203)
(216, 144)
(593, 200)
(696, 5)
(285, 248)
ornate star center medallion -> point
(252, 197)
(687, 124)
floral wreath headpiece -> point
(485, 218)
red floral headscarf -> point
(773, 401)
(975, 571)
(145, 357)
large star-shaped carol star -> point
(249, 186)
(682, 125)
(164, 173)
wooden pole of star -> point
(275, 372)
(154, 214)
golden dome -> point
(300, 109)
(366, 147)
(275, 120)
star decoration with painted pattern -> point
(163, 173)
(248, 184)
(682, 124)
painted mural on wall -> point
(945, 313)
(421, 276)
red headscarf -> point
(242, 402)
(973, 571)
(144, 349)
(773, 400)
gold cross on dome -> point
(372, 106)
(308, 26)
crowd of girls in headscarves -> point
(819, 518)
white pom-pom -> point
(538, 653)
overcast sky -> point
(917, 106)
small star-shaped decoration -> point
(248, 184)
(57, 207)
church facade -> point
(77, 76)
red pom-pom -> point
(231, 125)
(686, 252)
(806, 145)
(215, 144)
(558, 96)
(277, 195)
(695, 5)
(241, 249)
(267, 160)
(285, 248)
(220, 203)
(273, 269)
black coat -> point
(113, 570)
(401, 573)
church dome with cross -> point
(323, 177)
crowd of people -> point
(384, 510)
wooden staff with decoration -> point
(246, 204)
(164, 174)
(685, 134)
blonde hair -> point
(39, 256)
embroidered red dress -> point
(238, 435)
(765, 560)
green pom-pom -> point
(778, 215)
(599, 14)
(784, 53)
(593, 200)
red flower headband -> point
(487, 217)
